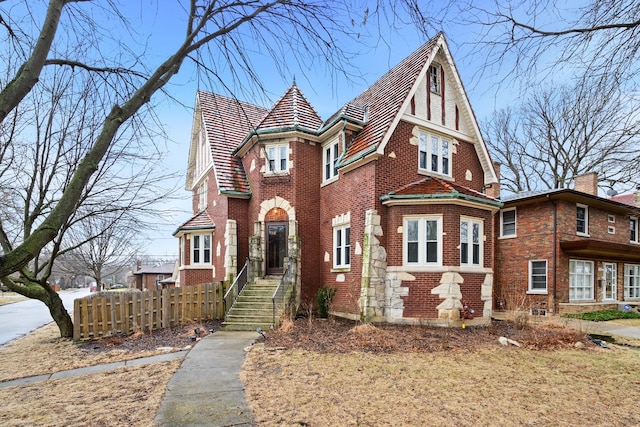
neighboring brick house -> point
(389, 200)
(568, 250)
(150, 277)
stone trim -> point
(374, 269)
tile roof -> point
(227, 122)
(200, 221)
(384, 99)
(431, 186)
(627, 199)
(166, 268)
(292, 111)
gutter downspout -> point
(555, 245)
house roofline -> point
(453, 197)
(569, 195)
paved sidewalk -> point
(603, 328)
(206, 390)
(94, 369)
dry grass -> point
(486, 385)
(122, 397)
(44, 352)
(10, 297)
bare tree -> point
(50, 133)
(216, 37)
(559, 133)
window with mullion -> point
(508, 223)
(580, 280)
(277, 158)
(342, 246)
(330, 161)
(423, 241)
(633, 226)
(434, 154)
(582, 219)
(201, 251)
(632, 281)
(470, 242)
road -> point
(20, 318)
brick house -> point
(150, 277)
(389, 200)
(568, 250)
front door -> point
(609, 287)
(277, 233)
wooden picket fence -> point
(113, 313)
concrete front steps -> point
(253, 308)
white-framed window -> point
(580, 280)
(342, 246)
(471, 231)
(330, 161)
(508, 223)
(201, 249)
(611, 229)
(422, 244)
(631, 281)
(611, 219)
(582, 219)
(434, 79)
(202, 195)
(538, 276)
(633, 228)
(203, 155)
(434, 154)
(277, 158)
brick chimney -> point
(493, 190)
(587, 183)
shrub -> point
(324, 298)
(604, 315)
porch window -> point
(538, 276)
(201, 251)
(580, 280)
(422, 241)
(434, 154)
(470, 242)
(633, 225)
(277, 158)
(582, 219)
(342, 246)
(330, 161)
(508, 223)
(631, 281)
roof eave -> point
(454, 197)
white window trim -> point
(531, 290)
(426, 138)
(277, 160)
(201, 249)
(515, 224)
(627, 277)
(470, 264)
(593, 273)
(633, 218)
(586, 220)
(421, 263)
(333, 147)
(345, 248)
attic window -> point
(434, 78)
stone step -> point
(245, 326)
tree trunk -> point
(59, 314)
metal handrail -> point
(281, 290)
(238, 284)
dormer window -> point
(434, 154)
(277, 158)
(434, 79)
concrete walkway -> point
(603, 328)
(206, 390)
(95, 369)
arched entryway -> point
(277, 231)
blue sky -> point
(374, 58)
